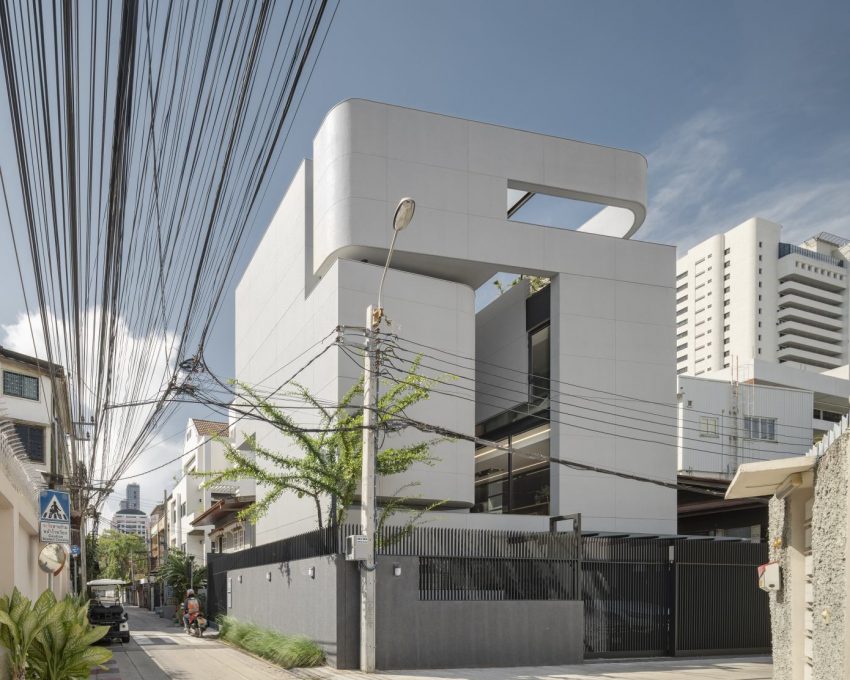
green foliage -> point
(20, 623)
(49, 640)
(63, 650)
(535, 283)
(287, 651)
(175, 572)
(122, 556)
(330, 462)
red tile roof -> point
(211, 428)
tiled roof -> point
(211, 428)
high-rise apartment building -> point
(130, 518)
(744, 295)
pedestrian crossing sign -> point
(55, 516)
(55, 506)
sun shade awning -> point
(764, 477)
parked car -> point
(105, 608)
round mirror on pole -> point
(52, 558)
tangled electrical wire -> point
(143, 138)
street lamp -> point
(368, 504)
(403, 214)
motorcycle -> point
(197, 625)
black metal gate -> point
(668, 597)
(719, 607)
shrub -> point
(63, 649)
(288, 651)
(49, 640)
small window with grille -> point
(20, 385)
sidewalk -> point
(747, 668)
(159, 650)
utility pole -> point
(367, 486)
(368, 501)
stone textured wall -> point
(829, 540)
(780, 603)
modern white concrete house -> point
(608, 314)
(203, 452)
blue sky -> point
(742, 108)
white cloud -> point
(701, 183)
(141, 364)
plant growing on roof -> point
(330, 462)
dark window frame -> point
(28, 435)
(23, 378)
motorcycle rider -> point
(191, 607)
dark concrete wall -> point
(324, 608)
(424, 634)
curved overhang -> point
(368, 154)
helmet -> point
(190, 592)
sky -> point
(741, 108)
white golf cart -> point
(105, 608)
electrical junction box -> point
(770, 578)
(357, 548)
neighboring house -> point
(604, 325)
(34, 427)
(40, 418)
(717, 432)
(809, 523)
(203, 452)
(227, 533)
(157, 537)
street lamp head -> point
(403, 213)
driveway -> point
(746, 668)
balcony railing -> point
(788, 249)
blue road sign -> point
(75, 551)
(55, 506)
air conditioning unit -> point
(357, 548)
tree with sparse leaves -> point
(329, 466)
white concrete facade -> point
(612, 299)
(745, 295)
(722, 425)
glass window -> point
(707, 426)
(19, 385)
(538, 364)
(32, 439)
(515, 481)
(760, 428)
(491, 478)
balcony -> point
(790, 298)
(803, 356)
(788, 328)
(810, 318)
(803, 289)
